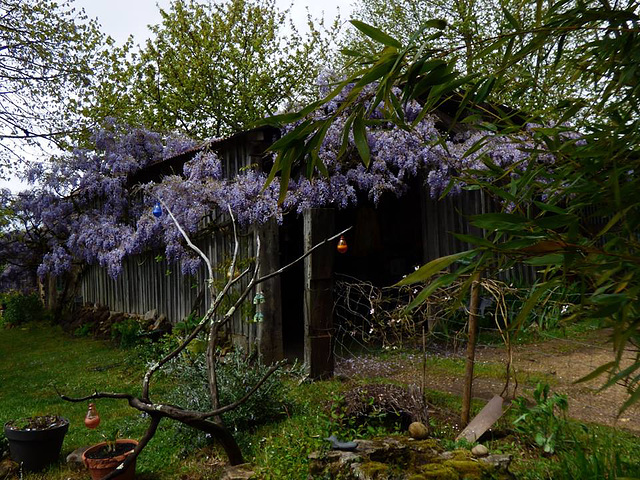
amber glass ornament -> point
(342, 245)
(92, 420)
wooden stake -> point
(424, 363)
(471, 349)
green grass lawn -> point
(37, 358)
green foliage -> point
(21, 308)
(4, 445)
(237, 373)
(571, 209)
(545, 423)
(345, 425)
(83, 330)
(127, 332)
(213, 68)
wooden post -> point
(318, 293)
(471, 349)
(270, 329)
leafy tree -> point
(472, 27)
(45, 69)
(569, 207)
(213, 68)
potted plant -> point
(103, 458)
(35, 442)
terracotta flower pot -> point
(101, 467)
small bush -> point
(237, 374)
(21, 308)
(83, 330)
(126, 332)
(376, 409)
(544, 424)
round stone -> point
(480, 451)
(418, 430)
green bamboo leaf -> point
(550, 208)
(350, 53)
(530, 303)
(473, 240)
(376, 34)
(553, 222)
(434, 266)
(491, 47)
(499, 221)
(597, 372)
(442, 281)
(360, 139)
(634, 398)
(376, 72)
(434, 23)
(485, 89)
(621, 375)
(551, 259)
(511, 19)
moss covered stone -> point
(404, 459)
(374, 470)
(466, 468)
(439, 471)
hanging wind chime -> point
(258, 300)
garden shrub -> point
(127, 332)
(376, 409)
(544, 424)
(21, 308)
(237, 374)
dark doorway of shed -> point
(386, 240)
(384, 244)
(292, 285)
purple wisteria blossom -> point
(87, 209)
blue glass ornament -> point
(157, 210)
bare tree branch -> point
(302, 257)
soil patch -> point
(559, 361)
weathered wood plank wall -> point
(149, 282)
(443, 217)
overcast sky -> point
(121, 18)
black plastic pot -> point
(35, 449)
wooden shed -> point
(386, 241)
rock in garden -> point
(150, 315)
(75, 457)
(480, 451)
(418, 430)
(238, 472)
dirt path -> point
(558, 361)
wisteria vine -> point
(86, 207)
